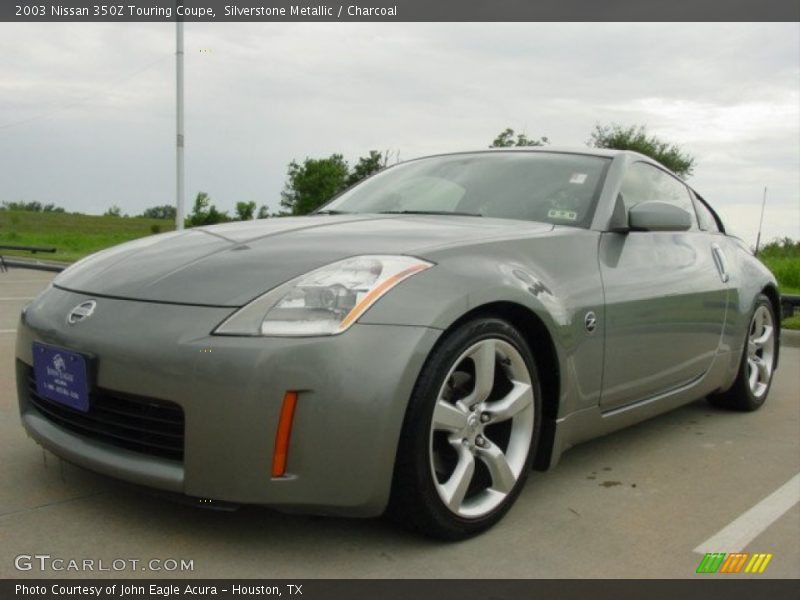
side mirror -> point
(658, 216)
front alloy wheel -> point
(482, 428)
(466, 446)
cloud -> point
(92, 105)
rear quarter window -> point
(705, 218)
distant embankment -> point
(74, 235)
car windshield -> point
(551, 187)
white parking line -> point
(8, 331)
(16, 298)
(735, 536)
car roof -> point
(582, 150)
(604, 152)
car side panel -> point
(748, 277)
(665, 307)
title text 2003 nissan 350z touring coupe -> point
(416, 346)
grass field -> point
(74, 236)
(783, 259)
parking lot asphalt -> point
(643, 503)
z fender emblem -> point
(81, 312)
(590, 322)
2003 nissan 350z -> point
(414, 347)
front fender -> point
(555, 278)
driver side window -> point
(644, 182)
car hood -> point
(229, 265)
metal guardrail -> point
(789, 303)
(35, 264)
(31, 249)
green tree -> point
(310, 184)
(263, 212)
(245, 210)
(165, 211)
(113, 211)
(506, 139)
(26, 206)
(205, 213)
(636, 138)
(366, 166)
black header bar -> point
(419, 589)
(398, 10)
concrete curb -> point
(790, 338)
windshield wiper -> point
(330, 211)
(429, 212)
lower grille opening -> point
(146, 425)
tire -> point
(472, 420)
(754, 379)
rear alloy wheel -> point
(754, 379)
(473, 419)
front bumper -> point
(353, 391)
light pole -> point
(179, 190)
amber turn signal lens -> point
(283, 434)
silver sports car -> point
(414, 347)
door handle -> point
(721, 262)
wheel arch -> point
(771, 292)
(533, 329)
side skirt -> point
(590, 423)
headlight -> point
(326, 301)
